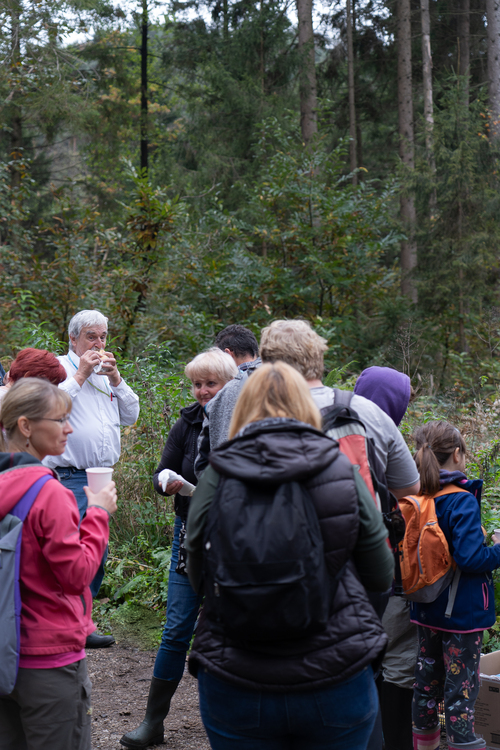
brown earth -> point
(120, 683)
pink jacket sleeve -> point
(73, 554)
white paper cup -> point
(497, 533)
(98, 477)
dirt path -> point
(120, 682)
(120, 678)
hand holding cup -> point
(109, 367)
(105, 498)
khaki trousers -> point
(49, 709)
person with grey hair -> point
(102, 401)
(208, 372)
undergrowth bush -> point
(141, 534)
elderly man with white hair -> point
(102, 401)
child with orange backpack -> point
(450, 643)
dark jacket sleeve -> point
(201, 461)
(172, 455)
(198, 509)
(373, 559)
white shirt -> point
(96, 417)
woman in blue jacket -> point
(450, 647)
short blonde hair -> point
(32, 398)
(294, 342)
(212, 363)
(274, 390)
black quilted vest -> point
(283, 450)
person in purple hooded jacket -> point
(388, 388)
(391, 391)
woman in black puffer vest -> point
(315, 691)
(208, 372)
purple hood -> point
(387, 388)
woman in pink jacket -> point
(50, 704)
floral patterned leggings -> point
(447, 666)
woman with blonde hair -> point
(208, 373)
(49, 706)
(307, 691)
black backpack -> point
(265, 574)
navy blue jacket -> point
(459, 516)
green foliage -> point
(141, 532)
(74, 261)
(143, 579)
(304, 243)
(145, 516)
(336, 377)
(459, 232)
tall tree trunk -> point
(464, 44)
(225, 20)
(16, 123)
(427, 77)
(406, 146)
(144, 88)
(352, 101)
(359, 134)
(308, 96)
(261, 53)
(462, 341)
(427, 86)
(493, 18)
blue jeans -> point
(340, 717)
(182, 610)
(75, 480)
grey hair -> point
(85, 319)
(297, 344)
(212, 363)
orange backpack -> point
(427, 566)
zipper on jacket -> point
(84, 604)
(486, 596)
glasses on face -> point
(60, 421)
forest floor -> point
(120, 683)
(120, 678)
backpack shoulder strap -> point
(341, 406)
(342, 398)
(450, 489)
(22, 507)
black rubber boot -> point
(150, 731)
(396, 705)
